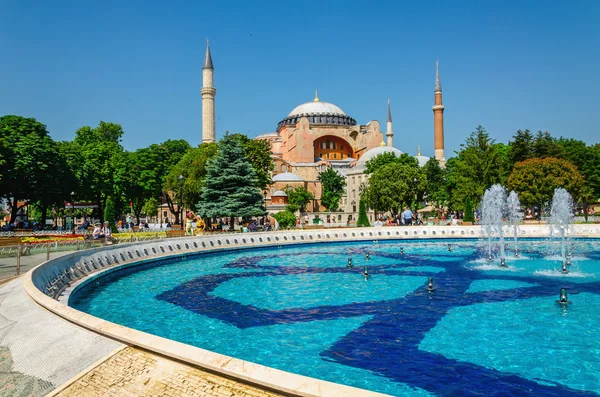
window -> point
(342, 147)
(327, 144)
(284, 168)
(334, 145)
(320, 145)
(335, 155)
(327, 155)
(321, 155)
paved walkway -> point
(8, 266)
(38, 350)
(134, 372)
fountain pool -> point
(483, 330)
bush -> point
(468, 211)
(286, 219)
(363, 219)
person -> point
(97, 233)
(200, 226)
(189, 220)
(108, 233)
(407, 216)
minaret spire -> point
(208, 92)
(438, 119)
(438, 85)
(316, 96)
(389, 133)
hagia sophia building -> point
(317, 135)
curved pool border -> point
(51, 283)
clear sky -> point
(506, 65)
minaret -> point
(208, 98)
(389, 133)
(438, 120)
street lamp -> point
(180, 179)
(415, 182)
(265, 196)
(73, 211)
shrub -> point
(286, 219)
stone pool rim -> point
(241, 370)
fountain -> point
(350, 264)
(430, 286)
(367, 256)
(514, 216)
(493, 208)
(561, 215)
(563, 297)
(449, 248)
(401, 251)
(366, 274)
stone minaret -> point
(208, 98)
(389, 133)
(438, 120)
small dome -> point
(371, 154)
(422, 160)
(279, 193)
(317, 108)
(287, 177)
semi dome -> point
(422, 160)
(279, 193)
(287, 177)
(372, 153)
(317, 108)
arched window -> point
(283, 168)
(272, 190)
(327, 144)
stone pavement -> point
(38, 350)
(8, 265)
(134, 372)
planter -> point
(466, 223)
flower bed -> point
(51, 239)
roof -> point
(208, 64)
(287, 177)
(317, 108)
(279, 193)
(422, 160)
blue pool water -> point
(484, 331)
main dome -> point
(317, 108)
(317, 112)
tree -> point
(521, 147)
(29, 159)
(435, 176)
(286, 219)
(363, 219)
(230, 187)
(110, 214)
(478, 165)
(192, 166)
(393, 186)
(545, 145)
(469, 217)
(332, 185)
(388, 157)
(151, 207)
(587, 160)
(259, 153)
(298, 198)
(535, 180)
(94, 152)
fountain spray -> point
(561, 216)
(493, 208)
(514, 216)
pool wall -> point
(52, 283)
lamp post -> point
(415, 182)
(180, 179)
(265, 196)
(73, 211)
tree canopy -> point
(332, 185)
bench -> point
(15, 241)
(175, 233)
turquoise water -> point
(300, 309)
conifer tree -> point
(363, 219)
(469, 216)
(230, 186)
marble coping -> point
(51, 283)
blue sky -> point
(505, 65)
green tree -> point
(110, 215)
(259, 153)
(332, 185)
(385, 158)
(435, 190)
(469, 217)
(363, 219)
(521, 147)
(29, 160)
(151, 207)
(94, 152)
(544, 145)
(478, 165)
(535, 180)
(298, 198)
(394, 186)
(286, 219)
(193, 168)
(587, 160)
(230, 187)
